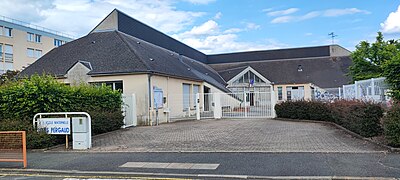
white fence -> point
(374, 89)
(239, 105)
(129, 110)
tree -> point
(8, 76)
(379, 59)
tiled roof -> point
(325, 72)
(115, 52)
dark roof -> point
(228, 74)
(142, 31)
(325, 72)
(115, 52)
(293, 53)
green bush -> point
(106, 121)
(360, 117)
(391, 124)
(23, 99)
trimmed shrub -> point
(312, 110)
(391, 124)
(360, 117)
(106, 121)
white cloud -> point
(233, 30)
(218, 16)
(308, 34)
(210, 39)
(341, 12)
(208, 28)
(200, 1)
(314, 14)
(267, 9)
(392, 23)
(78, 17)
(283, 12)
(252, 26)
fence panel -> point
(13, 147)
(129, 110)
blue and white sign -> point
(55, 125)
(158, 97)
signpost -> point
(55, 125)
(59, 123)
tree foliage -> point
(8, 76)
(378, 59)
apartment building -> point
(22, 43)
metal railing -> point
(36, 27)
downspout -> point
(149, 106)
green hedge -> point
(391, 124)
(21, 100)
(360, 117)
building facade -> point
(165, 75)
(22, 43)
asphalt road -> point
(238, 164)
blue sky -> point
(218, 26)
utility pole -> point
(333, 35)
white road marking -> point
(158, 165)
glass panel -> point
(186, 96)
(118, 86)
(38, 53)
(280, 93)
(30, 52)
(246, 78)
(8, 53)
(7, 31)
(196, 89)
(30, 37)
(9, 66)
(38, 38)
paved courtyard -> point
(256, 135)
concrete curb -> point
(171, 175)
(391, 149)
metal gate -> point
(237, 105)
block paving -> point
(233, 135)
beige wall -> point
(307, 90)
(20, 45)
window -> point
(1, 53)
(196, 89)
(279, 93)
(30, 37)
(115, 85)
(38, 38)
(186, 97)
(289, 93)
(1, 30)
(30, 52)
(7, 31)
(38, 53)
(8, 53)
(8, 66)
(58, 42)
(1, 68)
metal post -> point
(273, 102)
(373, 89)
(245, 104)
(356, 89)
(197, 106)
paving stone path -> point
(244, 135)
